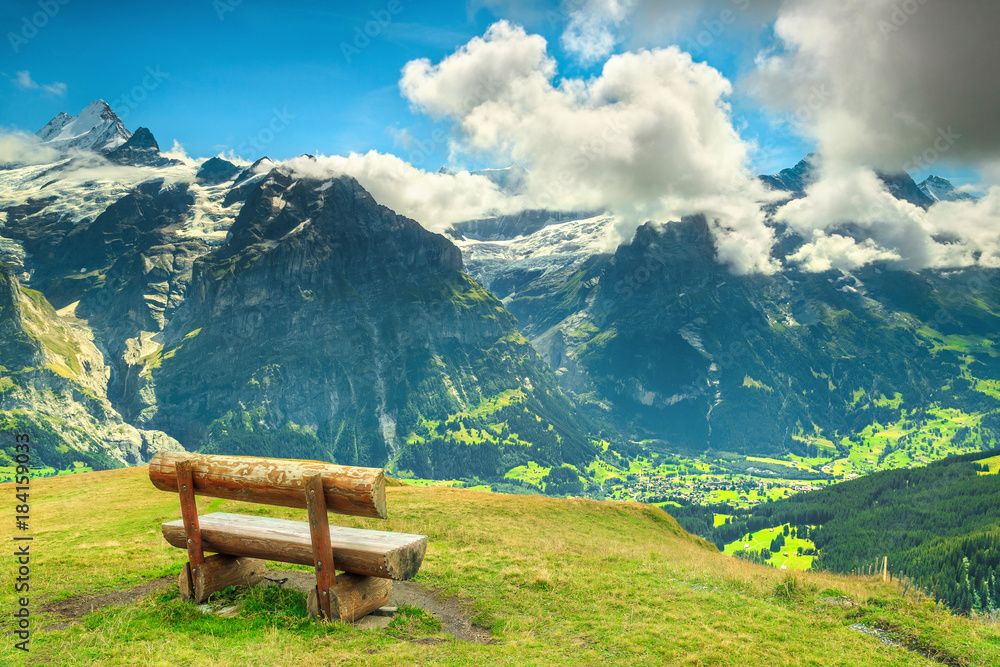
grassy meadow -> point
(554, 581)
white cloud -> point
(855, 199)
(594, 27)
(853, 220)
(880, 82)
(23, 79)
(650, 137)
(839, 252)
(971, 231)
(177, 152)
(22, 148)
(435, 200)
(56, 88)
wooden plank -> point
(189, 512)
(319, 536)
(217, 573)
(347, 489)
(355, 596)
(372, 552)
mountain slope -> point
(392, 353)
(938, 525)
(941, 189)
(561, 582)
(354, 332)
(677, 349)
(53, 385)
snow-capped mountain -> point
(794, 179)
(941, 189)
(509, 266)
(96, 128)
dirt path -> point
(77, 607)
(453, 613)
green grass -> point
(762, 540)
(431, 482)
(556, 582)
(7, 473)
(531, 473)
(993, 463)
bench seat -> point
(370, 552)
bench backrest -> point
(348, 489)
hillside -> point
(53, 382)
(264, 313)
(938, 525)
(573, 582)
(282, 310)
(675, 349)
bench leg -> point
(352, 597)
(189, 512)
(217, 573)
(319, 530)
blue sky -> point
(214, 75)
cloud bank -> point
(651, 136)
(434, 199)
(894, 75)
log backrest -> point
(347, 489)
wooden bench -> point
(371, 559)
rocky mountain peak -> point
(217, 170)
(96, 128)
(941, 189)
(903, 187)
(337, 214)
(794, 179)
(141, 150)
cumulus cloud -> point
(651, 136)
(594, 28)
(969, 231)
(839, 252)
(434, 199)
(23, 80)
(889, 85)
(851, 219)
(855, 199)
